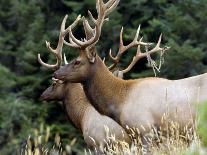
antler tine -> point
(134, 60)
(73, 43)
(111, 5)
(140, 55)
(157, 48)
(91, 16)
(55, 53)
(123, 48)
(58, 51)
(65, 59)
(103, 10)
(87, 28)
(121, 45)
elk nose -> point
(42, 97)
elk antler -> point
(123, 48)
(92, 35)
(88, 30)
(135, 43)
(147, 53)
(58, 51)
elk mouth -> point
(55, 80)
(58, 77)
(43, 97)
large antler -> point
(136, 43)
(147, 54)
(92, 35)
(123, 48)
(58, 51)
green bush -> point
(202, 123)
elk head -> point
(54, 92)
(83, 67)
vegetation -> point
(26, 24)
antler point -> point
(47, 43)
(66, 16)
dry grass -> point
(39, 144)
(169, 140)
(166, 142)
(163, 142)
(172, 139)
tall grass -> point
(165, 142)
(170, 140)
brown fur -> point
(76, 103)
(73, 97)
(106, 91)
(134, 103)
(83, 115)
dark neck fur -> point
(76, 103)
(105, 91)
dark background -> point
(26, 24)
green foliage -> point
(8, 79)
(185, 32)
(202, 125)
(16, 118)
(25, 25)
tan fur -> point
(76, 103)
(84, 116)
(105, 88)
(141, 102)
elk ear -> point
(91, 54)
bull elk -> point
(83, 115)
(135, 103)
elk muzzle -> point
(61, 73)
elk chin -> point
(47, 98)
(44, 97)
(58, 77)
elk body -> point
(137, 103)
(141, 102)
(93, 125)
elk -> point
(82, 114)
(138, 103)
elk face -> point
(54, 92)
(78, 70)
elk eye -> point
(77, 62)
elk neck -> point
(106, 92)
(76, 103)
